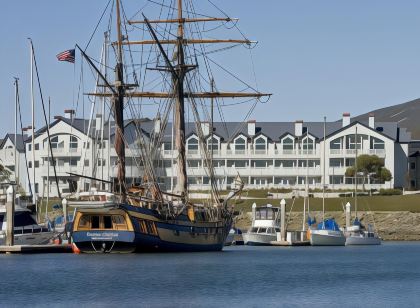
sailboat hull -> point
(327, 238)
(362, 240)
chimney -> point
(157, 125)
(371, 120)
(346, 119)
(68, 113)
(98, 122)
(298, 128)
(205, 127)
(251, 127)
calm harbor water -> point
(387, 275)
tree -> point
(370, 166)
(4, 174)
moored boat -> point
(265, 226)
(327, 233)
(146, 216)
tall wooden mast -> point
(118, 104)
(178, 84)
(178, 73)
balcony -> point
(352, 152)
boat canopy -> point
(266, 213)
(328, 224)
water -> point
(387, 275)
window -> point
(73, 162)
(73, 142)
(350, 141)
(240, 144)
(336, 144)
(86, 162)
(101, 162)
(260, 144)
(288, 144)
(37, 164)
(350, 162)
(107, 222)
(308, 143)
(54, 142)
(167, 146)
(377, 144)
(94, 221)
(36, 188)
(84, 145)
(192, 144)
(412, 166)
(193, 163)
(29, 164)
(84, 222)
(336, 162)
(29, 147)
(212, 144)
(36, 146)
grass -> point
(409, 203)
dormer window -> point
(192, 145)
(213, 144)
(260, 145)
(240, 145)
(288, 144)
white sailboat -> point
(327, 233)
(356, 234)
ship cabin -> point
(265, 219)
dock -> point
(28, 249)
(286, 243)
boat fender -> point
(75, 249)
(308, 234)
(191, 215)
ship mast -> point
(178, 73)
(118, 104)
(178, 84)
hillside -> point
(406, 114)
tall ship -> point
(146, 216)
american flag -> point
(67, 55)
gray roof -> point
(20, 140)
(228, 131)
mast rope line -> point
(45, 118)
(21, 130)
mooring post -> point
(283, 219)
(10, 215)
(348, 214)
(64, 203)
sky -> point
(317, 57)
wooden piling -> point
(10, 216)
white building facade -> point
(263, 154)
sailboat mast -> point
(16, 113)
(323, 172)
(33, 124)
(178, 84)
(118, 103)
(355, 177)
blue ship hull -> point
(153, 234)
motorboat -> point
(26, 230)
(265, 226)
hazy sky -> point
(318, 57)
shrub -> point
(390, 192)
